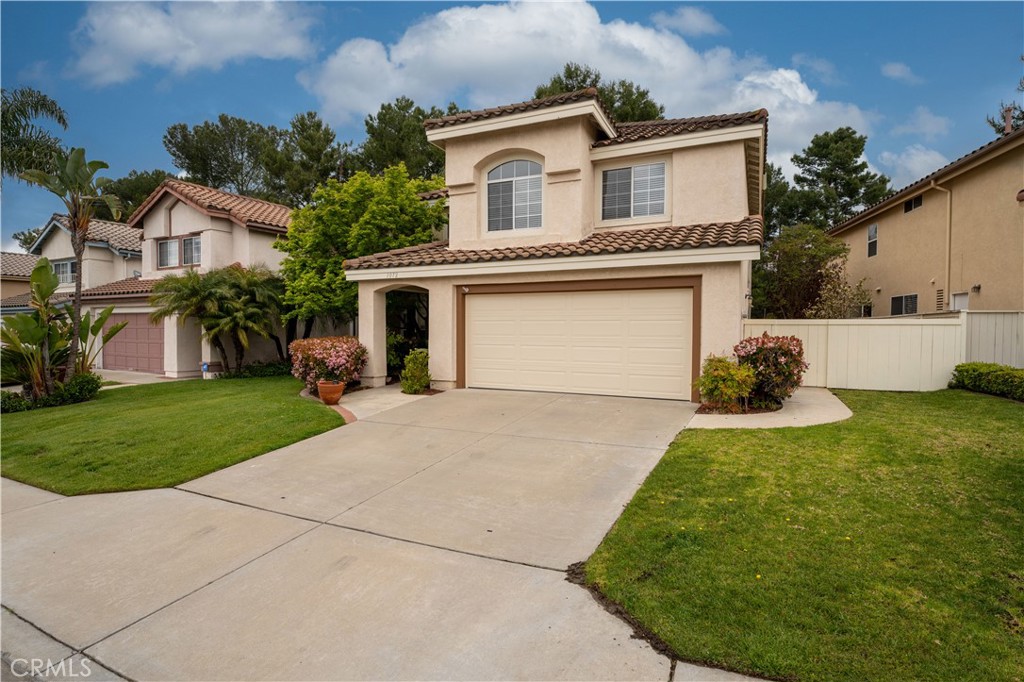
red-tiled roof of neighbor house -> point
(517, 108)
(21, 301)
(645, 130)
(17, 265)
(746, 232)
(132, 286)
(245, 211)
(907, 192)
(434, 194)
(119, 236)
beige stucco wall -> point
(223, 242)
(13, 287)
(706, 183)
(724, 286)
(986, 248)
(100, 265)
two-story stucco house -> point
(185, 226)
(113, 251)
(953, 240)
(583, 255)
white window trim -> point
(512, 231)
(872, 241)
(65, 279)
(904, 306)
(663, 218)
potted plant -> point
(326, 364)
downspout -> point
(949, 240)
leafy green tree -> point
(625, 99)
(308, 156)
(25, 143)
(132, 190)
(26, 238)
(75, 183)
(396, 135)
(781, 204)
(226, 154)
(364, 215)
(34, 344)
(998, 123)
(834, 179)
(793, 267)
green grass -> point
(157, 435)
(889, 546)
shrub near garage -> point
(416, 375)
(328, 358)
(778, 364)
(724, 384)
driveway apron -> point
(426, 542)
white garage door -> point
(629, 343)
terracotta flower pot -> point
(330, 391)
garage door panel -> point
(139, 346)
(634, 342)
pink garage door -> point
(139, 346)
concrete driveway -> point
(426, 542)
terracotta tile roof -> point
(748, 231)
(133, 286)
(245, 211)
(905, 193)
(18, 265)
(21, 300)
(434, 194)
(517, 108)
(119, 236)
(645, 130)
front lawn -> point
(886, 547)
(157, 435)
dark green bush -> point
(80, 388)
(13, 402)
(725, 385)
(988, 377)
(416, 375)
(258, 370)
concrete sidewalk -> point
(428, 541)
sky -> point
(917, 78)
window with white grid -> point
(633, 192)
(514, 196)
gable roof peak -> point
(240, 209)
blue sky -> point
(917, 78)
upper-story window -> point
(633, 192)
(910, 204)
(514, 196)
(65, 271)
(179, 251)
(872, 239)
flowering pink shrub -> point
(328, 358)
(778, 364)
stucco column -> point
(373, 333)
(441, 331)
(182, 354)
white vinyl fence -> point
(901, 353)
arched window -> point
(513, 196)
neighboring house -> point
(583, 255)
(112, 252)
(185, 226)
(953, 240)
(15, 271)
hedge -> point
(988, 377)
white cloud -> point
(898, 71)
(689, 21)
(824, 70)
(114, 40)
(911, 164)
(495, 54)
(924, 123)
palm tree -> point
(263, 287)
(202, 297)
(25, 144)
(74, 181)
